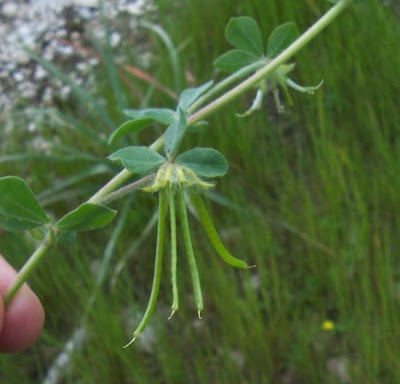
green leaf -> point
(162, 115)
(206, 162)
(197, 127)
(243, 33)
(19, 208)
(175, 132)
(139, 160)
(190, 95)
(86, 218)
(128, 127)
(280, 38)
(234, 60)
(142, 118)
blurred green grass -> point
(312, 198)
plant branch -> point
(29, 266)
(284, 56)
(125, 190)
(217, 88)
(110, 191)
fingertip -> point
(1, 313)
(23, 320)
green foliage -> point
(239, 32)
(204, 162)
(190, 95)
(142, 118)
(19, 208)
(311, 202)
(280, 38)
(138, 160)
(86, 218)
(234, 60)
(175, 132)
(244, 34)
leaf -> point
(280, 38)
(128, 127)
(19, 208)
(162, 115)
(206, 162)
(142, 118)
(234, 60)
(175, 132)
(86, 218)
(197, 127)
(243, 33)
(190, 95)
(138, 159)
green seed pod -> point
(213, 235)
(163, 207)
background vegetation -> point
(312, 198)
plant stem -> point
(284, 56)
(125, 190)
(111, 186)
(29, 267)
(235, 77)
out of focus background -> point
(311, 198)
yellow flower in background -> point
(328, 325)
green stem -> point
(111, 186)
(283, 57)
(189, 252)
(30, 266)
(225, 83)
(125, 190)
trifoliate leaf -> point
(280, 38)
(244, 34)
(19, 208)
(140, 160)
(204, 162)
(190, 95)
(234, 60)
(86, 218)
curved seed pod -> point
(174, 255)
(213, 235)
(163, 207)
(189, 251)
